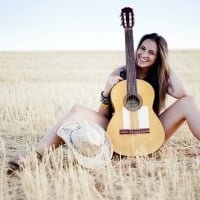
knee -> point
(76, 112)
(76, 109)
(188, 99)
(187, 102)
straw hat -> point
(89, 143)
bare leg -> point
(183, 109)
(51, 140)
(75, 114)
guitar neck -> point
(130, 62)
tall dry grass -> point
(37, 89)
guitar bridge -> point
(135, 131)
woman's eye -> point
(142, 48)
(151, 52)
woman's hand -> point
(111, 81)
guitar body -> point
(142, 141)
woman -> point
(152, 66)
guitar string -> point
(131, 78)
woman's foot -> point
(17, 163)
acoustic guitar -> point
(134, 128)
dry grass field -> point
(37, 89)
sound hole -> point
(132, 102)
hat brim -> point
(101, 159)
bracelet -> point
(105, 106)
(105, 100)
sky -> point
(95, 25)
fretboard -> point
(130, 63)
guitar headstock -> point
(127, 17)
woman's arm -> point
(175, 86)
(113, 79)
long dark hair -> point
(158, 74)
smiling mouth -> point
(142, 60)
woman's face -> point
(146, 54)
